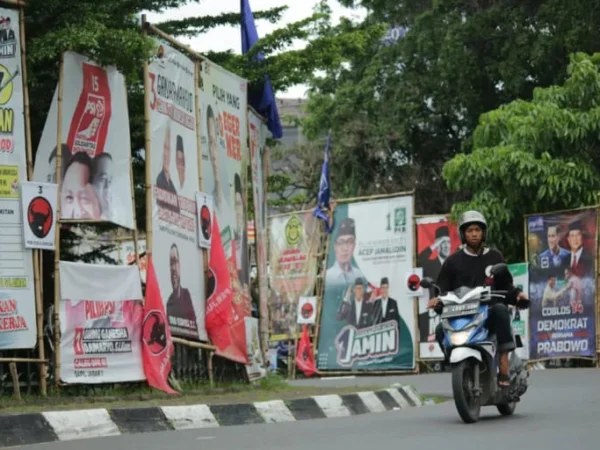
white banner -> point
(205, 208)
(255, 369)
(96, 150)
(125, 254)
(520, 318)
(307, 310)
(177, 259)
(258, 138)
(223, 131)
(39, 209)
(100, 323)
(17, 292)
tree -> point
(533, 157)
(399, 112)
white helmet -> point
(470, 218)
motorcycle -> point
(474, 358)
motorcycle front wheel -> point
(467, 404)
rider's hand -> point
(433, 302)
(522, 301)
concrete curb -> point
(38, 428)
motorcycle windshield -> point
(462, 291)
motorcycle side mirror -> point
(499, 269)
(426, 282)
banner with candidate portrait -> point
(177, 259)
(100, 323)
(367, 317)
(437, 239)
(258, 138)
(95, 149)
(562, 284)
(17, 292)
(224, 131)
(294, 241)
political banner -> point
(204, 206)
(100, 323)
(39, 209)
(95, 149)
(562, 284)
(223, 131)
(436, 240)
(258, 138)
(256, 364)
(126, 255)
(294, 241)
(367, 317)
(17, 292)
(520, 317)
(176, 256)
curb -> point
(38, 428)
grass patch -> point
(437, 399)
(272, 387)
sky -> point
(227, 38)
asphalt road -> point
(559, 411)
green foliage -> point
(533, 157)
(399, 112)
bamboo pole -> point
(58, 223)
(320, 288)
(17, 3)
(36, 252)
(148, 154)
(562, 211)
(299, 212)
(376, 197)
(24, 360)
(149, 28)
(194, 344)
(205, 258)
(415, 299)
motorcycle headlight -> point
(460, 337)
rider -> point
(467, 267)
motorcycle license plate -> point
(460, 310)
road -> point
(559, 411)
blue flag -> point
(321, 211)
(261, 98)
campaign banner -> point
(126, 255)
(294, 241)
(562, 284)
(256, 364)
(223, 131)
(258, 138)
(176, 256)
(437, 239)
(39, 209)
(17, 291)
(367, 317)
(100, 323)
(520, 317)
(95, 149)
(204, 206)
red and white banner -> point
(226, 330)
(100, 323)
(157, 343)
(178, 260)
(95, 149)
(305, 359)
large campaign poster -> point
(520, 317)
(293, 247)
(17, 291)
(177, 258)
(258, 137)
(223, 131)
(95, 179)
(437, 239)
(367, 319)
(562, 284)
(100, 323)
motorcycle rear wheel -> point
(507, 409)
(467, 405)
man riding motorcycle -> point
(467, 267)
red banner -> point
(225, 310)
(157, 343)
(305, 360)
(89, 125)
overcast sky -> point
(226, 38)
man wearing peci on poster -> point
(180, 309)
